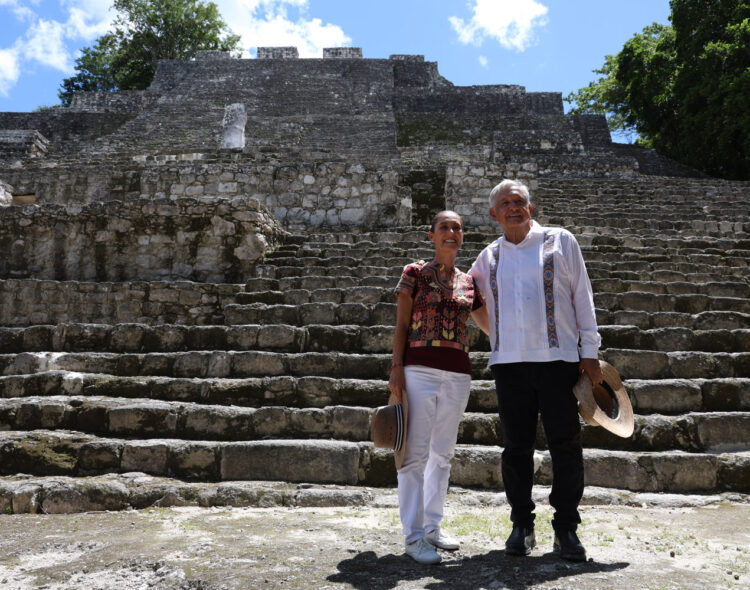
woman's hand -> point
(397, 382)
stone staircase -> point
(275, 380)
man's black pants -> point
(524, 390)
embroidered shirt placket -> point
(494, 256)
(548, 278)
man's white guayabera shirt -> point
(538, 297)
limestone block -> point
(191, 364)
(311, 498)
(617, 469)
(317, 313)
(143, 418)
(478, 429)
(672, 339)
(243, 337)
(99, 456)
(149, 456)
(726, 394)
(476, 467)
(70, 496)
(217, 422)
(318, 461)
(195, 460)
(25, 499)
(668, 396)
(351, 423)
(251, 364)
(734, 472)
(638, 364)
(219, 364)
(310, 422)
(723, 432)
(280, 337)
(682, 472)
(692, 364)
(127, 337)
(377, 339)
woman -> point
(431, 367)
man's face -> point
(512, 211)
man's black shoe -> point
(568, 546)
(521, 541)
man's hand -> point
(397, 382)
(592, 369)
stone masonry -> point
(196, 282)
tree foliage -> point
(145, 32)
(685, 88)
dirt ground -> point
(658, 546)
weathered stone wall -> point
(311, 193)
(707, 202)
(213, 240)
(342, 53)
(467, 187)
(63, 126)
(124, 101)
(322, 193)
(30, 302)
(17, 144)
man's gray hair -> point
(509, 186)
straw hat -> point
(607, 404)
(388, 427)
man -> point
(543, 333)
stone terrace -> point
(218, 316)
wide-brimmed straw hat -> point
(607, 404)
(388, 427)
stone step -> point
(321, 338)
(615, 308)
(669, 396)
(632, 364)
(631, 270)
(623, 259)
(411, 251)
(477, 241)
(384, 293)
(146, 418)
(44, 452)
(137, 491)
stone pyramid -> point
(196, 283)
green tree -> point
(145, 32)
(685, 88)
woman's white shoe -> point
(422, 552)
(442, 540)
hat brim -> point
(398, 455)
(608, 405)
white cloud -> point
(9, 71)
(45, 43)
(512, 23)
(271, 23)
(483, 61)
(51, 42)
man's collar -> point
(535, 230)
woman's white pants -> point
(437, 400)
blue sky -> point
(544, 45)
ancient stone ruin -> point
(195, 282)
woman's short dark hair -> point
(439, 213)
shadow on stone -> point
(490, 570)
